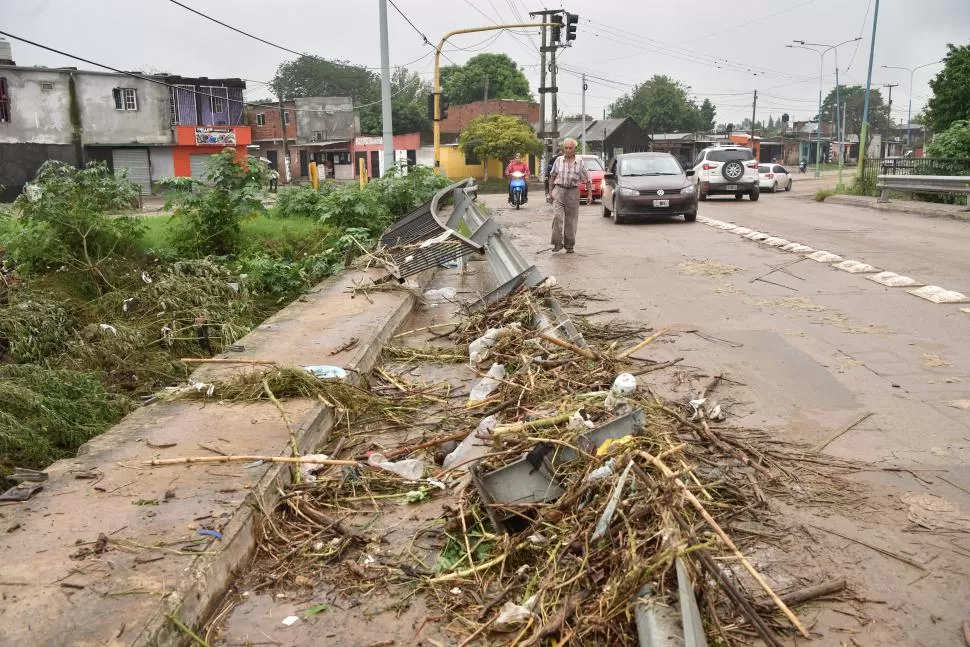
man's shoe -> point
(570, 250)
(556, 248)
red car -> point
(596, 172)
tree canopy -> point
(498, 137)
(951, 90)
(308, 76)
(662, 105)
(854, 97)
(952, 142)
(466, 83)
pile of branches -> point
(578, 567)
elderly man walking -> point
(568, 172)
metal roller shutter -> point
(197, 164)
(135, 160)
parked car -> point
(648, 184)
(774, 177)
(730, 170)
(596, 172)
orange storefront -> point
(194, 145)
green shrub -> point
(402, 193)
(822, 194)
(302, 201)
(209, 217)
(352, 206)
(952, 142)
(35, 327)
(63, 220)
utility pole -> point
(584, 113)
(754, 109)
(486, 95)
(889, 115)
(386, 116)
(865, 106)
(542, 101)
(286, 149)
(555, 94)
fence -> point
(872, 167)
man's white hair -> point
(570, 140)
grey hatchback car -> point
(648, 184)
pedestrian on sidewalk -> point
(568, 172)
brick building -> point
(460, 116)
(268, 135)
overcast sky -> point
(722, 50)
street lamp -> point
(821, 56)
(909, 112)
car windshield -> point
(764, 168)
(649, 166)
(592, 164)
(728, 154)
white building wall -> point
(37, 116)
(104, 125)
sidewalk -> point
(110, 550)
(928, 209)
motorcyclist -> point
(802, 165)
(518, 165)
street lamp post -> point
(909, 111)
(821, 63)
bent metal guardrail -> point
(424, 238)
(922, 184)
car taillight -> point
(709, 167)
(752, 164)
(769, 175)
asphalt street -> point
(810, 349)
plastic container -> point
(488, 383)
(624, 385)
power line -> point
(169, 85)
(413, 26)
(281, 47)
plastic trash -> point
(290, 620)
(410, 468)
(474, 446)
(108, 328)
(601, 473)
(327, 372)
(488, 383)
(580, 421)
(625, 384)
(478, 348)
(211, 533)
(511, 616)
(441, 294)
(308, 471)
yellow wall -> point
(453, 165)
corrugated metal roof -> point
(594, 129)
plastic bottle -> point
(488, 383)
(475, 445)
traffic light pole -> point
(437, 78)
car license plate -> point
(731, 187)
(661, 203)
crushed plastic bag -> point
(512, 616)
(487, 384)
(602, 472)
(410, 468)
(712, 410)
(580, 421)
(478, 349)
(474, 446)
(327, 372)
(308, 471)
(610, 443)
(441, 294)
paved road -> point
(814, 348)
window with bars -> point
(4, 101)
(318, 135)
(286, 118)
(125, 98)
(218, 99)
(260, 119)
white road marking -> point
(893, 280)
(823, 256)
(936, 294)
(856, 267)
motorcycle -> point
(517, 189)
(801, 167)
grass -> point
(822, 194)
(277, 236)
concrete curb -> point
(900, 206)
(209, 578)
(188, 587)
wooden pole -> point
(221, 360)
(248, 459)
(568, 346)
(728, 542)
(649, 340)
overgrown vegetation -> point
(98, 307)
(822, 194)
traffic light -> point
(444, 107)
(557, 30)
(571, 24)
